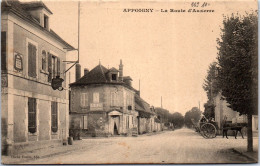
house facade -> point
(222, 110)
(102, 104)
(33, 114)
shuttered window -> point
(32, 115)
(49, 67)
(53, 66)
(58, 66)
(54, 116)
(32, 60)
(44, 60)
(85, 122)
(84, 99)
(114, 99)
(3, 50)
(96, 97)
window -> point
(114, 77)
(114, 99)
(3, 50)
(46, 21)
(53, 66)
(31, 60)
(44, 61)
(128, 100)
(53, 63)
(32, 115)
(85, 122)
(95, 97)
(127, 122)
(54, 116)
(84, 99)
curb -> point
(245, 155)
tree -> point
(177, 119)
(238, 68)
(195, 114)
(210, 82)
(209, 110)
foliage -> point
(195, 114)
(177, 119)
(237, 59)
(238, 66)
(211, 85)
(162, 114)
(209, 111)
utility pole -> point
(161, 102)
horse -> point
(227, 126)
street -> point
(179, 146)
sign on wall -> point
(18, 61)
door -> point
(115, 125)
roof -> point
(127, 78)
(113, 69)
(21, 10)
(35, 5)
(142, 107)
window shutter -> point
(49, 67)
(31, 60)
(85, 122)
(58, 66)
(54, 116)
(3, 50)
(32, 115)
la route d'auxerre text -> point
(169, 10)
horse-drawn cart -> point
(208, 129)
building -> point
(102, 103)
(147, 118)
(222, 110)
(33, 114)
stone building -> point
(33, 114)
(102, 103)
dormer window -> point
(114, 77)
(46, 22)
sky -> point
(168, 52)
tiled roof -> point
(20, 10)
(96, 75)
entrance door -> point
(115, 125)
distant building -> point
(33, 114)
(102, 104)
(147, 118)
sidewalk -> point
(242, 150)
(43, 153)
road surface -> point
(179, 146)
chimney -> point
(121, 71)
(78, 71)
(86, 71)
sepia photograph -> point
(129, 82)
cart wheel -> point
(208, 130)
